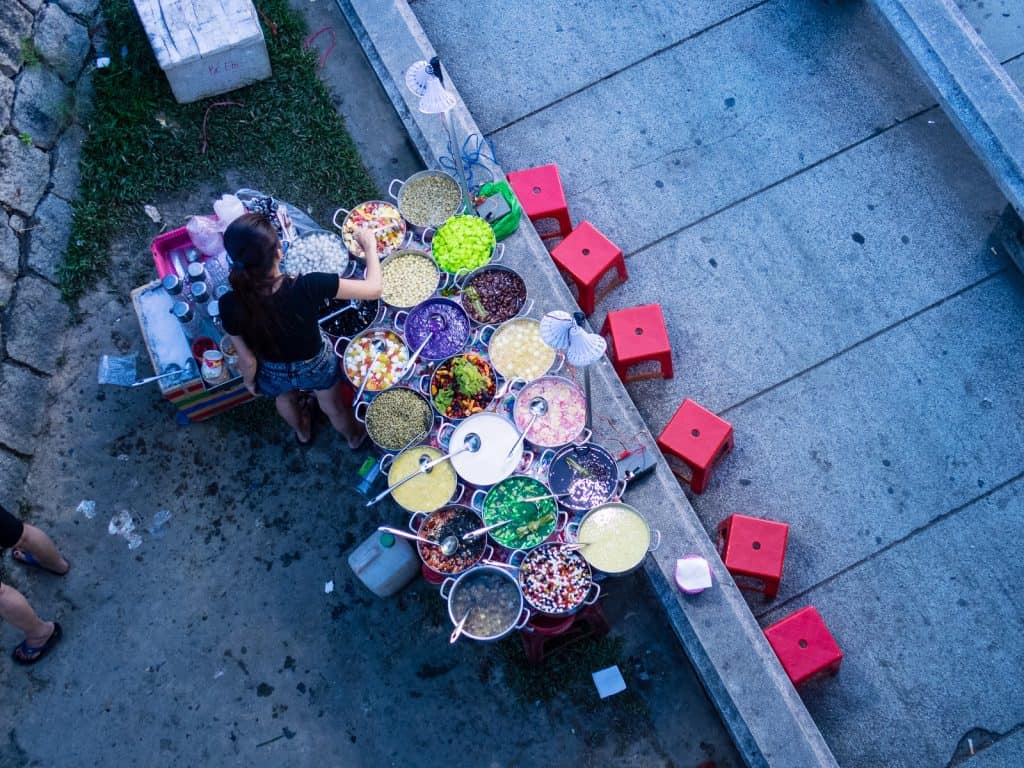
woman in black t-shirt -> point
(272, 321)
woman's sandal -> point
(26, 656)
(25, 557)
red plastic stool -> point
(804, 645)
(539, 191)
(635, 336)
(587, 256)
(543, 635)
(699, 440)
(753, 551)
(430, 577)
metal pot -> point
(502, 502)
(617, 538)
(586, 473)
(450, 520)
(556, 580)
(419, 229)
(346, 266)
(490, 463)
(446, 320)
(485, 587)
(391, 265)
(390, 236)
(566, 416)
(509, 366)
(484, 399)
(369, 413)
(471, 308)
(432, 490)
(497, 250)
(357, 358)
(345, 319)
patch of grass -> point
(25, 138)
(141, 144)
(29, 54)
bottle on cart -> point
(186, 315)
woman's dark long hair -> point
(252, 243)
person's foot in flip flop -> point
(35, 649)
(25, 557)
(356, 440)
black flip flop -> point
(37, 654)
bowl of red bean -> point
(493, 294)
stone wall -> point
(45, 101)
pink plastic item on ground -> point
(693, 574)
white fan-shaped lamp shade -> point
(417, 76)
(436, 98)
(554, 328)
(584, 348)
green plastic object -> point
(508, 223)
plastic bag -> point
(508, 223)
(228, 208)
(206, 235)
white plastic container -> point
(205, 48)
(384, 563)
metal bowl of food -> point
(494, 294)
(614, 538)
(408, 277)
(490, 601)
(583, 476)
(556, 580)
(450, 520)
(427, 199)
(396, 417)
(381, 217)
(378, 354)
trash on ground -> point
(117, 369)
(123, 525)
(153, 213)
(87, 507)
(693, 574)
(328, 587)
(159, 525)
(609, 681)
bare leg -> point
(37, 543)
(288, 406)
(340, 415)
(14, 609)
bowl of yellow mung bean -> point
(408, 277)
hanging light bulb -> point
(417, 76)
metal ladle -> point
(481, 531)
(538, 407)
(459, 626)
(447, 545)
(415, 355)
(471, 443)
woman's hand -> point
(367, 240)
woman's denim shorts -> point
(320, 372)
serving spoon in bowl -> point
(447, 545)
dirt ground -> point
(214, 643)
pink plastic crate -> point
(162, 246)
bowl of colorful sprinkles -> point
(379, 354)
(529, 508)
(451, 520)
(556, 580)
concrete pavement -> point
(835, 296)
